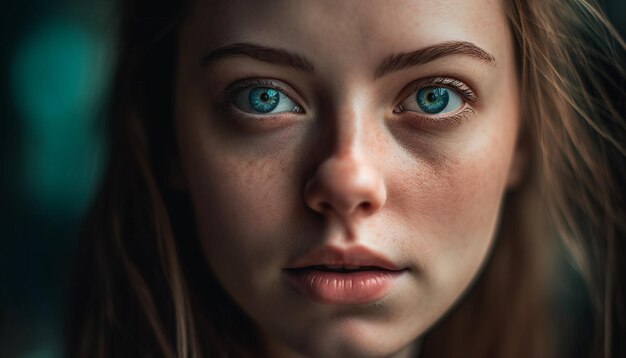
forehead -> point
(347, 30)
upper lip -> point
(352, 256)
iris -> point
(433, 99)
(263, 99)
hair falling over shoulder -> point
(143, 289)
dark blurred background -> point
(57, 57)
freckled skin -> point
(262, 189)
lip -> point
(353, 256)
(311, 277)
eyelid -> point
(228, 94)
(462, 89)
(424, 121)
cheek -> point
(244, 206)
(468, 208)
(453, 206)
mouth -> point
(340, 268)
(334, 285)
(336, 276)
(335, 258)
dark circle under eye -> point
(263, 99)
(432, 99)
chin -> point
(350, 338)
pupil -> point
(432, 99)
(265, 97)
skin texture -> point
(347, 170)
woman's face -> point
(346, 160)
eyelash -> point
(225, 100)
(443, 120)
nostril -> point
(367, 207)
(325, 206)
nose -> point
(347, 187)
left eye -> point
(433, 100)
(261, 100)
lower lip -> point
(342, 288)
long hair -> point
(143, 288)
(570, 65)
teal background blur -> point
(57, 58)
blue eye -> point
(433, 100)
(261, 100)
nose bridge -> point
(353, 140)
(352, 132)
(348, 182)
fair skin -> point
(347, 167)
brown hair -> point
(572, 81)
(143, 289)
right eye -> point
(433, 100)
(262, 100)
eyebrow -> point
(392, 63)
(424, 55)
(266, 54)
